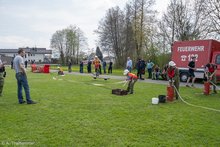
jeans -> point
(149, 73)
(22, 82)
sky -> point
(31, 23)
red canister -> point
(170, 93)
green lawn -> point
(72, 111)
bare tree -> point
(142, 25)
(58, 42)
(68, 41)
(110, 32)
(212, 12)
(184, 20)
(129, 33)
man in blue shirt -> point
(129, 64)
(150, 65)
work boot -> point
(22, 102)
(31, 102)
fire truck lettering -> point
(191, 49)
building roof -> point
(28, 50)
(8, 50)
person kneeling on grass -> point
(132, 79)
(173, 76)
(60, 71)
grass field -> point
(73, 111)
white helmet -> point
(171, 63)
(126, 72)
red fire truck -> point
(205, 51)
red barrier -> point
(33, 67)
(46, 68)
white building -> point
(32, 54)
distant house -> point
(32, 54)
(109, 58)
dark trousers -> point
(104, 69)
(149, 73)
(131, 85)
(89, 69)
(110, 70)
(139, 74)
(1, 82)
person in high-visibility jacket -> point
(210, 70)
(173, 76)
(132, 79)
(97, 64)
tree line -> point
(137, 32)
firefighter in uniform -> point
(210, 70)
(132, 79)
(97, 64)
(173, 76)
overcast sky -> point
(32, 22)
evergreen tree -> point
(99, 53)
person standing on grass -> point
(129, 64)
(150, 66)
(210, 70)
(12, 64)
(89, 67)
(191, 71)
(173, 77)
(81, 67)
(21, 77)
(69, 65)
(104, 66)
(138, 67)
(132, 79)
(97, 63)
(110, 67)
(25, 63)
(2, 75)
